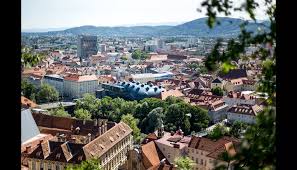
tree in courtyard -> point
(217, 91)
(92, 164)
(217, 132)
(237, 129)
(258, 149)
(132, 123)
(82, 114)
(184, 163)
(47, 94)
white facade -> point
(76, 89)
(56, 81)
(241, 117)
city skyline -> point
(60, 14)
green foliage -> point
(132, 122)
(217, 132)
(184, 163)
(47, 94)
(59, 112)
(30, 59)
(185, 116)
(258, 146)
(92, 164)
(28, 90)
(90, 103)
(237, 128)
(82, 114)
(217, 91)
(139, 55)
(153, 120)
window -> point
(57, 167)
(201, 152)
(197, 160)
(168, 156)
(163, 149)
(192, 158)
(201, 162)
(192, 150)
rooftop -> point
(170, 140)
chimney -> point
(95, 122)
(89, 137)
(99, 131)
(102, 129)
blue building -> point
(131, 90)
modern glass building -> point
(131, 90)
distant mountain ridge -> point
(228, 27)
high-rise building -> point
(87, 46)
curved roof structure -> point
(137, 90)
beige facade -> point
(202, 161)
(109, 148)
(117, 155)
(76, 88)
(215, 85)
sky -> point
(44, 14)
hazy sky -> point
(70, 13)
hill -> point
(228, 27)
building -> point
(243, 113)
(146, 77)
(218, 82)
(109, 148)
(131, 90)
(76, 85)
(173, 145)
(237, 98)
(102, 48)
(87, 46)
(206, 152)
(97, 59)
(148, 156)
(56, 81)
(68, 106)
(217, 111)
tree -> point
(59, 112)
(258, 146)
(184, 163)
(153, 120)
(237, 129)
(90, 103)
(47, 94)
(138, 54)
(82, 114)
(217, 132)
(28, 89)
(132, 123)
(92, 164)
(30, 59)
(217, 91)
(199, 118)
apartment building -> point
(77, 85)
(109, 149)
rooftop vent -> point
(147, 89)
(142, 85)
